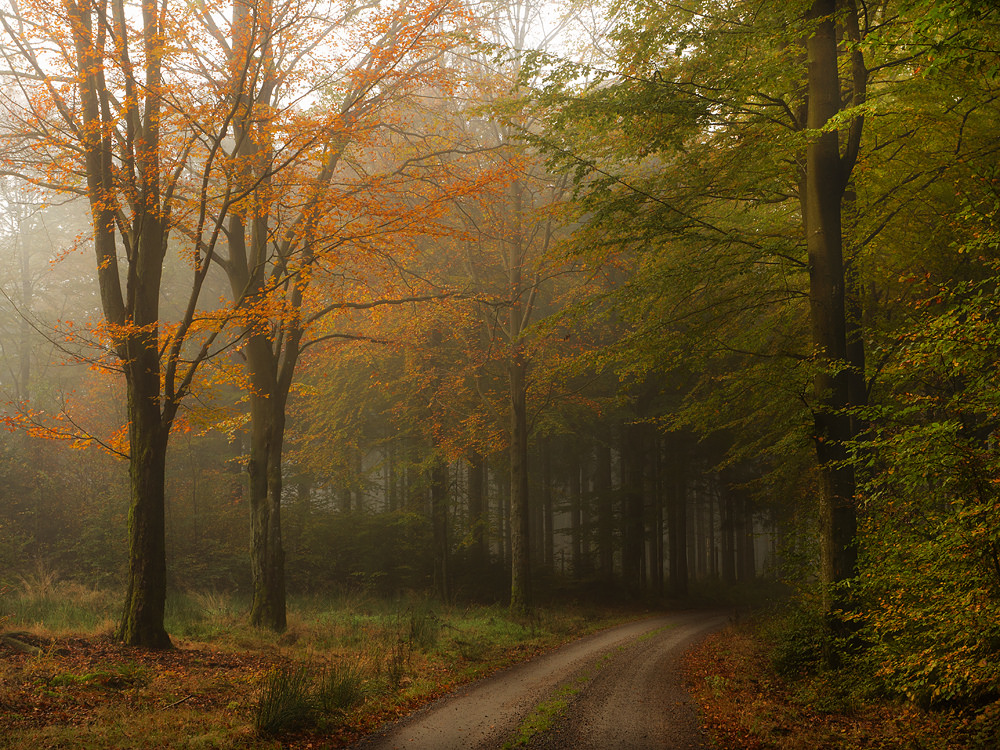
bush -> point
(800, 641)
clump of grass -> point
(341, 687)
(290, 698)
(472, 649)
(425, 627)
(286, 701)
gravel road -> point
(620, 688)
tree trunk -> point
(824, 189)
(653, 492)
(145, 599)
(477, 513)
(605, 512)
(576, 532)
(520, 564)
(677, 518)
(749, 543)
(728, 538)
(439, 527)
(548, 513)
(267, 555)
(633, 528)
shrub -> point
(800, 641)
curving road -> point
(620, 688)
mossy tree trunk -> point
(145, 599)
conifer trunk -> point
(605, 512)
(439, 527)
(477, 510)
(520, 567)
(633, 526)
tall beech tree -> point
(93, 108)
(679, 150)
(294, 231)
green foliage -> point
(931, 555)
(800, 641)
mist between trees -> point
(500, 302)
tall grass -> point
(41, 601)
(300, 696)
(286, 701)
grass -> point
(758, 691)
(41, 602)
(547, 713)
(345, 665)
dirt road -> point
(620, 688)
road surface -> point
(620, 688)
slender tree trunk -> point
(713, 551)
(728, 538)
(653, 492)
(503, 486)
(520, 551)
(548, 513)
(576, 532)
(633, 528)
(605, 512)
(477, 513)
(749, 551)
(439, 527)
(677, 517)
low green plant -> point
(397, 661)
(286, 701)
(800, 641)
(425, 627)
(341, 687)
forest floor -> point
(338, 673)
(747, 704)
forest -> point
(535, 307)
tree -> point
(679, 150)
(117, 117)
(299, 233)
